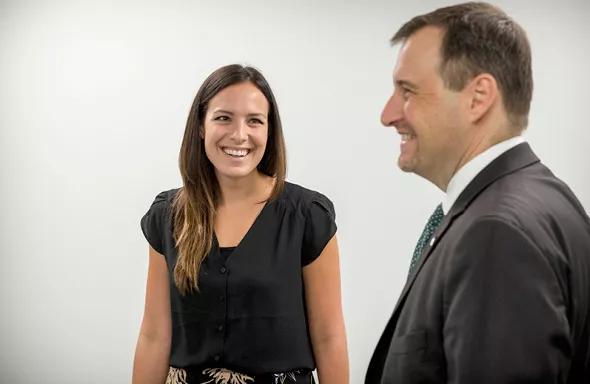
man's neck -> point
(481, 141)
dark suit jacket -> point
(503, 293)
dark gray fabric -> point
(503, 293)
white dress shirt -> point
(467, 173)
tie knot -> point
(436, 217)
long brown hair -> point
(195, 204)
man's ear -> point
(483, 94)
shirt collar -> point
(463, 176)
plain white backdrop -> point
(93, 102)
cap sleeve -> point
(153, 222)
(320, 227)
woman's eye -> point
(256, 121)
(221, 118)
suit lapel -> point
(510, 161)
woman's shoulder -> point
(299, 193)
(164, 199)
(319, 218)
(302, 197)
(157, 221)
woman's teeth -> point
(236, 152)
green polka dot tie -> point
(433, 223)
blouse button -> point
(216, 357)
(220, 328)
(222, 270)
(221, 298)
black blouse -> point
(250, 313)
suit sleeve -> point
(505, 312)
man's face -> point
(429, 117)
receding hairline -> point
(442, 18)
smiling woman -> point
(235, 130)
(243, 281)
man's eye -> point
(406, 93)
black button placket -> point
(220, 326)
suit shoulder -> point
(537, 205)
(528, 195)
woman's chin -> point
(235, 173)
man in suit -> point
(499, 284)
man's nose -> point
(392, 112)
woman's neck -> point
(255, 187)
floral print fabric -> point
(227, 376)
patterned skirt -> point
(226, 376)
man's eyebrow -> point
(406, 84)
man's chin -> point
(405, 166)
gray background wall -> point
(93, 102)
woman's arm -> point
(153, 346)
(324, 312)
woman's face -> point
(236, 130)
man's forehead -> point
(419, 53)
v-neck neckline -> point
(246, 235)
